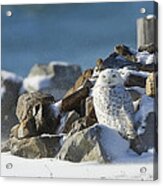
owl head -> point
(109, 77)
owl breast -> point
(113, 107)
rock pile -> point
(73, 115)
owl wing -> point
(126, 114)
(127, 104)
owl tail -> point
(137, 145)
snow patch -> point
(137, 88)
(37, 82)
(56, 108)
(61, 63)
(146, 106)
(11, 76)
(146, 58)
(3, 91)
(150, 16)
(126, 168)
(125, 72)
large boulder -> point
(96, 143)
(34, 147)
(10, 86)
(36, 115)
(54, 78)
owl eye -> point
(104, 76)
(114, 76)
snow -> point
(125, 72)
(137, 88)
(146, 106)
(126, 168)
(11, 76)
(56, 107)
(150, 16)
(60, 63)
(2, 90)
(108, 135)
(145, 57)
(62, 123)
(151, 59)
(37, 83)
(126, 164)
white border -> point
(41, 182)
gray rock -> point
(36, 115)
(151, 48)
(150, 135)
(54, 78)
(10, 86)
(96, 143)
(69, 119)
(135, 95)
(116, 61)
(36, 147)
(146, 121)
(125, 51)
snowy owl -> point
(113, 104)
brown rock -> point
(35, 115)
(80, 81)
(135, 95)
(82, 123)
(125, 52)
(135, 80)
(151, 48)
(36, 147)
(90, 111)
(73, 101)
(151, 85)
(148, 67)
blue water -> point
(75, 33)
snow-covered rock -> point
(97, 143)
(146, 58)
(146, 123)
(55, 78)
